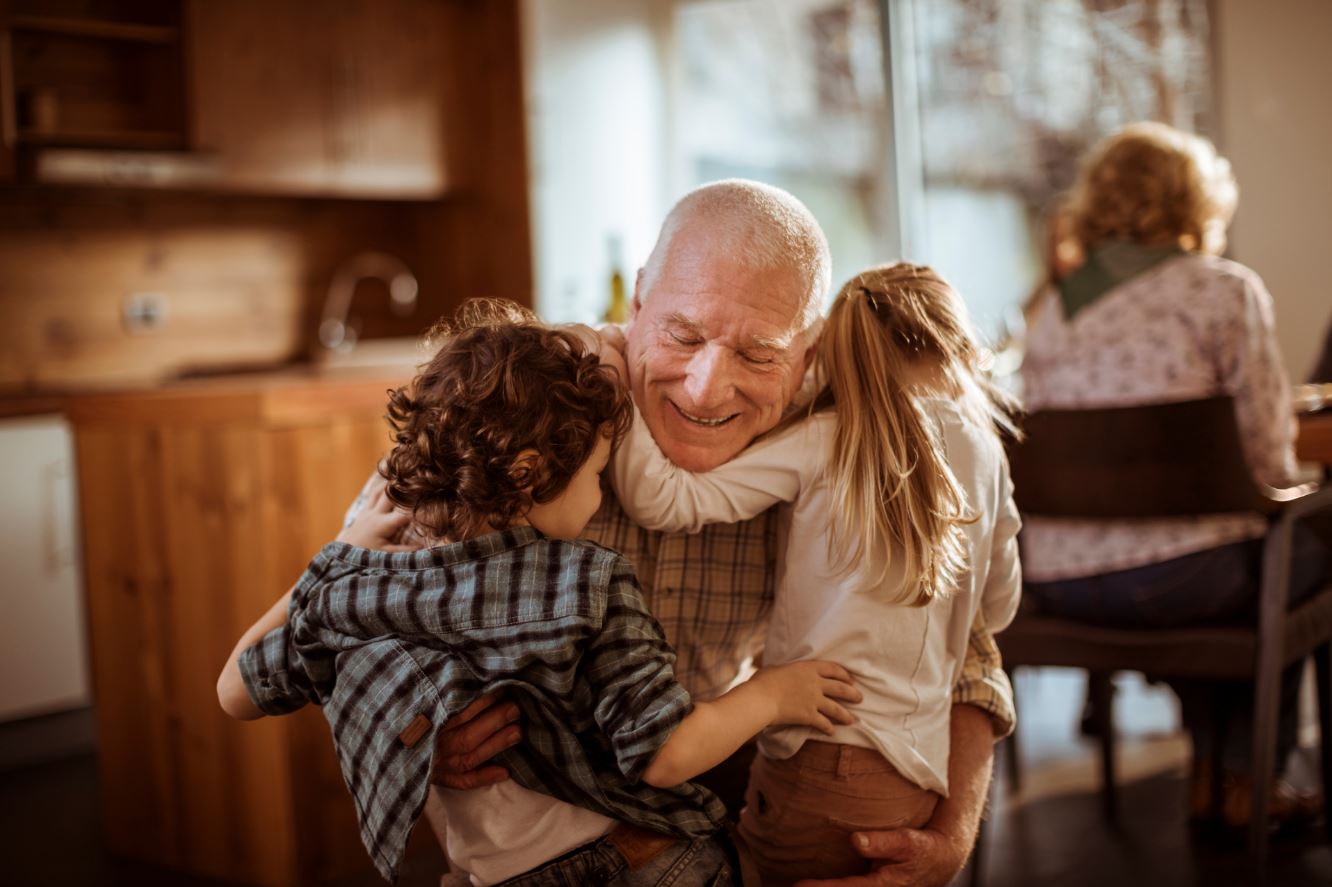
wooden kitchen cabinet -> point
(335, 98)
(342, 98)
(201, 502)
(82, 74)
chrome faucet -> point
(337, 331)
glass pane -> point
(1010, 94)
(790, 93)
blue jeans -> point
(1215, 586)
(703, 862)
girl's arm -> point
(659, 495)
(797, 693)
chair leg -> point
(1265, 714)
(1272, 603)
(1323, 667)
(1102, 697)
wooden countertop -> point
(15, 406)
(289, 396)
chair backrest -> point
(1161, 460)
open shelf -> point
(100, 74)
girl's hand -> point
(590, 338)
(379, 524)
(612, 334)
(607, 342)
(612, 356)
(808, 693)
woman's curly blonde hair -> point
(1154, 185)
(501, 383)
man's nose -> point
(708, 381)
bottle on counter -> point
(618, 309)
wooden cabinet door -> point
(8, 124)
(191, 528)
(337, 98)
(385, 98)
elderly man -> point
(722, 333)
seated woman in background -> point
(1155, 315)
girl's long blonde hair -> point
(892, 487)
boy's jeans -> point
(700, 863)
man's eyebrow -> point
(768, 343)
(753, 343)
(677, 319)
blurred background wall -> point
(1274, 80)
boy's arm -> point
(231, 692)
(656, 734)
(796, 693)
(659, 495)
(371, 522)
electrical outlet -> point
(143, 312)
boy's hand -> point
(379, 524)
(471, 738)
(808, 693)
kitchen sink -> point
(406, 353)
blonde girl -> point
(901, 532)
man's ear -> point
(525, 468)
(816, 336)
(636, 304)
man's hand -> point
(470, 739)
(907, 858)
(932, 856)
(379, 524)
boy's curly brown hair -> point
(502, 382)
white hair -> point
(759, 226)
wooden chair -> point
(1172, 460)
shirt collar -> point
(443, 555)
(1109, 265)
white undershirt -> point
(503, 830)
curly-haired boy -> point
(500, 441)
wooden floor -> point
(1053, 834)
(1049, 835)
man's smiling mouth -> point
(702, 420)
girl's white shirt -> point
(905, 660)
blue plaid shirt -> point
(392, 644)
